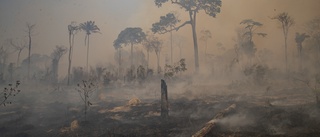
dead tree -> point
(164, 100)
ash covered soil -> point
(131, 110)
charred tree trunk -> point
(164, 100)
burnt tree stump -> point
(164, 100)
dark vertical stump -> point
(164, 100)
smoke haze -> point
(52, 17)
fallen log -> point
(209, 125)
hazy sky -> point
(111, 16)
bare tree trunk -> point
(131, 54)
(171, 47)
(119, 72)
(29, 53)
(195, 42)
(205, 52)
(88, 54)
(158, 62)
(85, 105)
(147, 61)
(300, 56)
(164, 100)
(70, 57)
(286, 52)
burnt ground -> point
(135, 111)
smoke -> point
(237, 120)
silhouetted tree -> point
(129, 36)
(72, 29)
(89, 27)
(118, 58)
(286, 22)
(299, 40)
(155, 44)
(18, 46)
(166, 24)
(56, 55)
(247, 45)
(30, 33)
(148, 46)
(205, 35)
(210, 7)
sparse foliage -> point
(314, 85)
(8, 92)
(171, 71)
(85, 90)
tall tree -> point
(156, 44)
(210, 7)
(72, 29)
(89, 27)
(205, 35)
(153, 43)
(299, 40)
(19, 46)
(56, 55)
(166, 24)
(119, 59)
(129, 36)
(148, 46)
(247, 45)
(30, 33)
(286, 22)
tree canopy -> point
(129, 36)
(166, 24)
(211, 7)
(89, 27)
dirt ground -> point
(130, 111)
